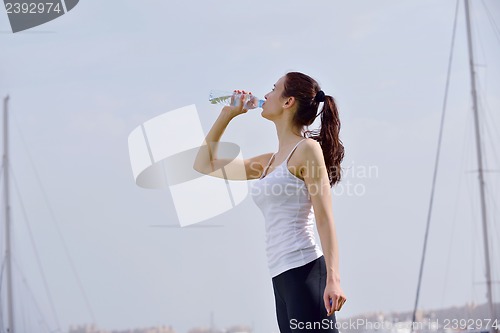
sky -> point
(80, 84)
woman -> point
(293, 190)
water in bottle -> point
(224, 97)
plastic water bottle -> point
(224, 97)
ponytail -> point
(328, 138)
(309, 96)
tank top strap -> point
(289, 155)
(269, 162)
(264, 172)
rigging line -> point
(39, 262)
(1, 303)
(493, 215)
(479, 86)
(56, 223)
(480, 164)
(491, 19)
(492, 193)
(475, 229)
(473, 206)
(485, 130)
(476, 31)
(1, 279)
(480, 147)
(491, 135)
(429, 213)
(489, 120)
(471, 234)
(491, 141)
(483, 101)
(488, 123)
(454, 219)
(37, 306)
(495, 250)
(3, 266)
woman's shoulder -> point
(306, 154)
(309, 157)
(309, 151)
(308, 146)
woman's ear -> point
(289, 102)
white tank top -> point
(289, 218)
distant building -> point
(232, 329)
(93, 329)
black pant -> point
(299, 299)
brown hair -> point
(304, 89)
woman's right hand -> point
(237, 108)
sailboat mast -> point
(8, 267)
(489, 294)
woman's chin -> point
(265, 116)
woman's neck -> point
(287, 136)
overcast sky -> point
(80, 84)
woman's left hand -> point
(333, 293)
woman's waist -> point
(281, 239)
(293, 256)
(292, 222)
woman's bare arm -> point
(318, 185)
(206, 161)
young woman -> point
(292, 188)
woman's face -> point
(274, 101)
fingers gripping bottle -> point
(233, 98)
